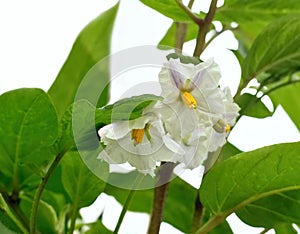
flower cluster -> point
(194, 118)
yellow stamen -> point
(189, 100)
(137, 135)
(227, 128)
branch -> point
(160, 194)
(204, 28)
(138, 180)
(40, 190)
(188, 11)
(198, 214)
(5, 208)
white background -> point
(36, 37)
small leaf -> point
(29, 127)
(248, 177)
(288, 98)
(276, 50)
(125, 109)
(92, 45)
(98, 227)
(82, 186)
(252, 106)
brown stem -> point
(160, 194)
(181, 29)
(198, 214)
(188, 11)
(204, 28)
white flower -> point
(141, 142)
(191, 87)
(223, 125)
(196, 112)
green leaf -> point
(98, 227)
(125, 109)
(273, 210)
(248, 177)
(285, 229)
(92, 45)
(170, 37)
(241, 11)
(228, 150)
(253, 16)
(288, 98)
(46, 217)
(177, 210)
(77, 127)
(276, 50)
(29, 128)
(168, 8)
(252, 106)
(82, 186)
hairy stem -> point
(160, 194)
(138, 180)
(40, 190)
(204, 28)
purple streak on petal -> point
(176, 76)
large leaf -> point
(253, 16)
(82, 186)
(92, 45)
(252, 106)
(29, 127)
(168, 8)
(285, 229)
(177, 210)
(276, 51)
(288, 97)
(250, 176)
(273, 210)
(241, 11)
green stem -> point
(160, 194)
(73, 220)
(40, 190)
(13, 204)
(138, 180)
(204, 28)
(212, 223)
(5, 208)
